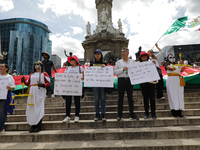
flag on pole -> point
(184, 24)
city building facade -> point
(56, 61)
(22, 42)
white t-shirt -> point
(11, 81)
(74, 70)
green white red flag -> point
(184, 24)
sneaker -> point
(154, 117)
(146, 116)
(97, 117)
(103, 118)
(67, 119)
(119, 118)
(162, 98)
(134, 117)
(76, 119)
(52, 96)
(2, 130)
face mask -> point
(171, 58)
(37, 66)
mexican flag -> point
(184, 24)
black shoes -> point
(34, 128)
(134, 117)
(146, 116)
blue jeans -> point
(3, 113)
(51, 87)
(99, 93)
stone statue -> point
(120, 26)
(138, 53)
(88, 26)
(103, 16)
(110, 26)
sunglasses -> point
(144, 56)
(171, 57)
(151, 52)
(72, 59)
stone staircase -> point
(163, 133)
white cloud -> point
(61, 42)
(83, 8)
(6, 5)
(77, 30)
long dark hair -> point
(101, 59)
(42, 68)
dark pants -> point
(3, 113)
(148, 92)
(39, 125)
(69, 103)
(125, 85)
(159, 87)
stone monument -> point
(105, 36)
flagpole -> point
(157, 41)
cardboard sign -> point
(96, 76)
(68, 84)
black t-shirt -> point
(97, 63)
(47, 66)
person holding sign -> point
(6, 83)
(154, 59)
(124, 84)
(99, 92)
(148, 91)
(37, 83)
(75, 68)
(175, 86)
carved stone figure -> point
(88, 26)
(104, 16)
(120, 26)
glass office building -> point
(22, 42)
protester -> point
(14, 73)
(37, 83)
(99, 92)
(4, 70)
(76, 69)
(148, 91)
(175, 86)
(124, 83)
(47, 68)
(196, 65)
(154, 59)
(87, 63)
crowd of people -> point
(41, 78)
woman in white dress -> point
(37, 82)
(175, 87)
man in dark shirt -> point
(47, 68)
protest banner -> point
(68, 84)
(3, 90)
(96, 76)
(141, 72)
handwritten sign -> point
(96, 76)
(142, 72)
(3, 90)
(68, 84)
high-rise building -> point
(22, 42)
(56, 61)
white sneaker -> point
(52, 96)
(76, 119)
(162, 98)
(67, 119)
(2, 130)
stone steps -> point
(180, 132)
(163, 133)
(158, 144)
(110, 123)
(137, 107)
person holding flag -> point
(37, 83)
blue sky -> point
(144, 21)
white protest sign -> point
(68, 84)
(141, 72)
(97, 76)
(3, 90)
